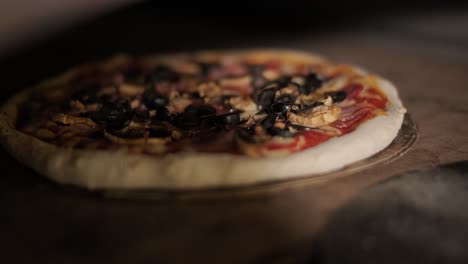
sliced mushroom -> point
(70, 120)
(315, 117)
(312, 82)
(244, 104)
(76, 106)
(290, 91)
(298, 79)
(178, 104)
(271, 74)
(236, 81)
(126, 89)
(209, 89)
(135, 103)
(82, 129)
(333, 85)
(307, 99)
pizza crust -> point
(97, 169)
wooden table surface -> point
(43, 223)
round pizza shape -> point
(198, 120)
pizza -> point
(203, 119)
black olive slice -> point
(197, 115)
(159, 132)
(209, 121)
(313, 81)
(187, 120)
(337, 96)
(153, 99)
(269, 121)
(200, 110)
(247, 134)
(141, 115)
(113, 115)
(286, 98)
(162, 114)
(265, 98)
(275, 131)
(232, 118)
(280, 108)
(160, 100)
(127, 133)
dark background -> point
(159, 26)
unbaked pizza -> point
(205, 119)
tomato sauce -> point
(313, 138)
(379, 102)
(375, 99)
(349, 125)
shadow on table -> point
(418, 217)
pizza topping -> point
(159, 132)
(315, 116)
(283, 108)
(68, 119)
(287, 93)
(230, 119)
(235, 81)
(162, 114)
(128, 90)
(257, 107)
(112, 115)
(312, 82)
(265, 98)
(337, 96)
(153, 99)
(208, 89)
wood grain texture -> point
(41, 222)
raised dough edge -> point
(118, 170)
